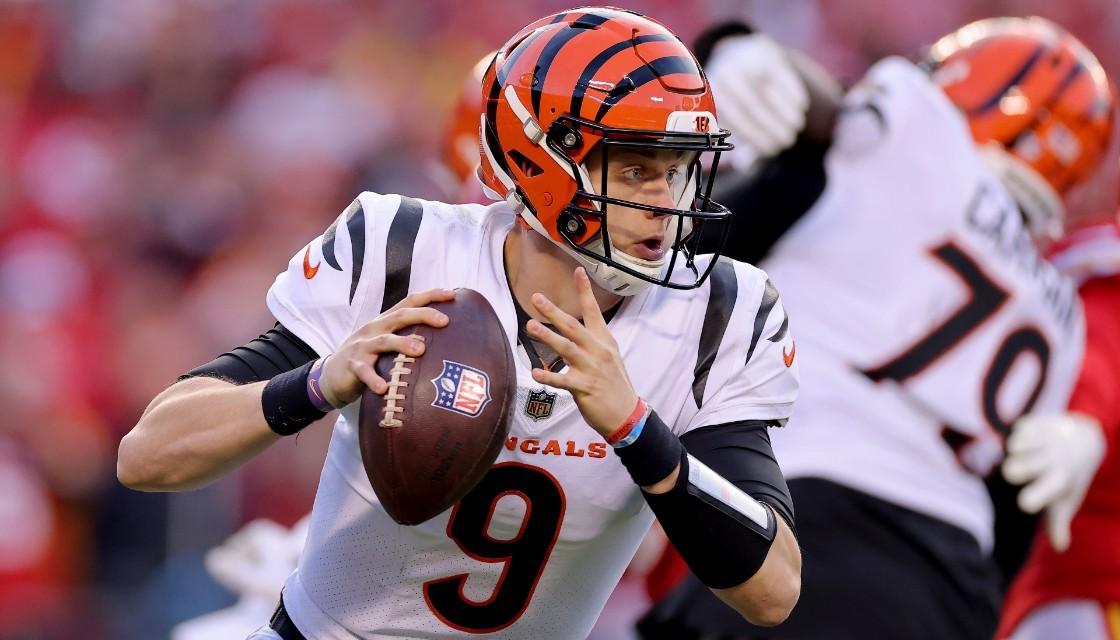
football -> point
(436, 432)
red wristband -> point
(623, 431)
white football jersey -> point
(927, 322)
(535, 549)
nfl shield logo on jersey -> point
(461, 389)
(539, 405)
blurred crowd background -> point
(162, 160)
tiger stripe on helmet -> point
(654, 70)
(548, 54)
(601, 59)
(997, 95)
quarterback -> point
(648, 374)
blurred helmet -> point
(1038, 100)
(593, 80)
(459, 150)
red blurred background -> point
(163, 160)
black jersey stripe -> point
(356, 226)
(398, 251)
(782, 330)
(769, 299)
(723, 289)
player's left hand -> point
(596, 375)
(1055, 457)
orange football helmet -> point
(591, 80)
(1038, 98)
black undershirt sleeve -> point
(766, 202)
(742, 454)
(266, 356)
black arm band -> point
(767, 201)
(266, 356)
(722, 533)
(286, 404)
(653, 456)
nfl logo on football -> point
(461, 389)
(539, 404)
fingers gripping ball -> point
(432, 436)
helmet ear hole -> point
(527, 167)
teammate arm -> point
(224, 413)
(736, 544)
(781, 108)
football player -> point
(1070, 585)
(648, 374)
(904, 239)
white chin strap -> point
(1041, 205)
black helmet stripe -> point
(602, 59)
(643, 74)
(548, 53)
(1045, 107)
(1014, 80)
(489, 131)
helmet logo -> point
(703, 124)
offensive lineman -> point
(595, 124)
(928, 322)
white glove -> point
(1055, 457)
(759, 96)
(256, 560)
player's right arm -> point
(227, 411)
(212, 421)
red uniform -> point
(1090, 568)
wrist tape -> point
(286, 403)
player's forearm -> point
(193, 433)
(768, 597)
(825, 97)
